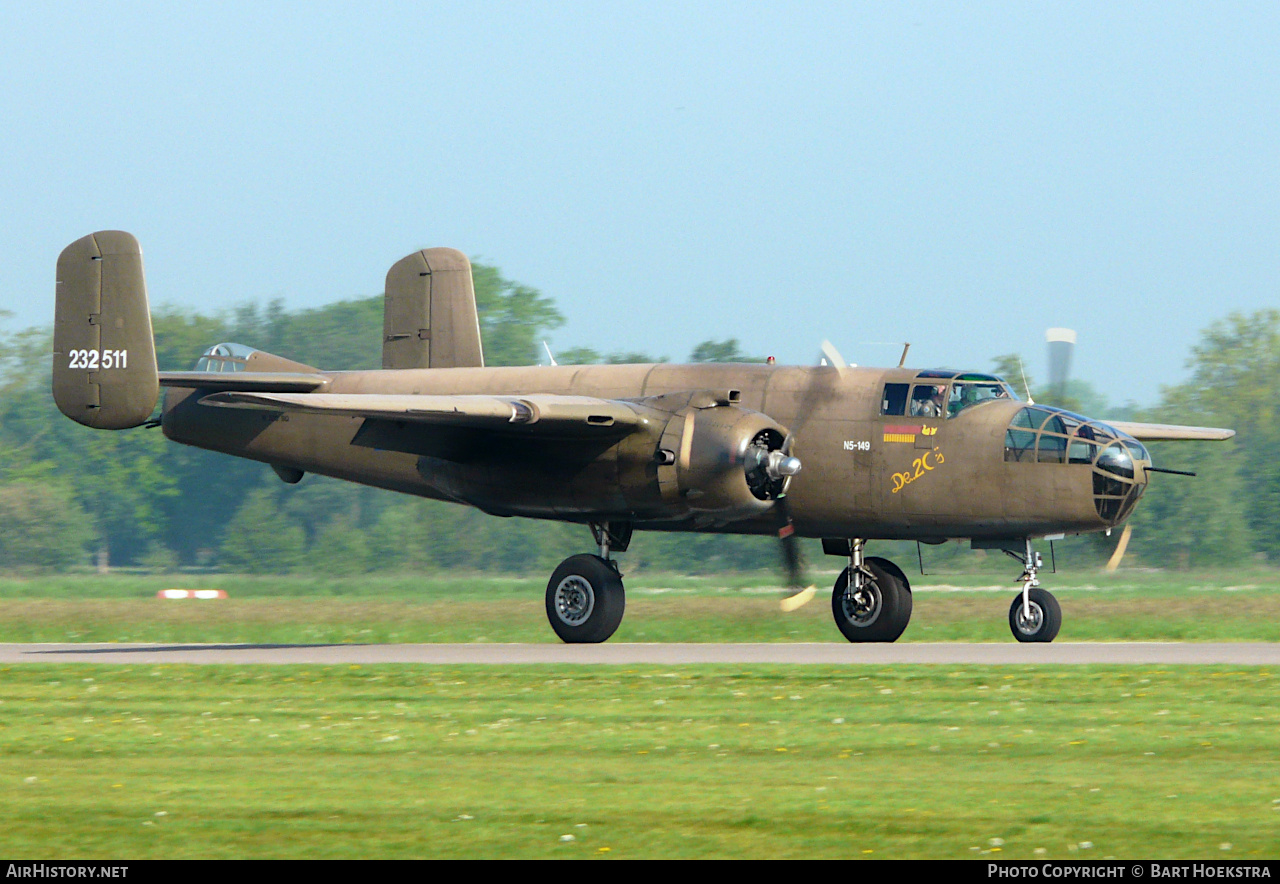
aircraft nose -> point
(1119, 478)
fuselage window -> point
(1082, 452)
(1052, 448)
(895, 399)
(1019, 445)
(1026, 421)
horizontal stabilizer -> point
(1157, 432)
(551, 415)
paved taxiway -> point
(1158, 653)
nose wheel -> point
(1037, 618)
(1035, 615)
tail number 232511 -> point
(99, 359)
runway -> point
(622, 654)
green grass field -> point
(758, 762)
(660, 608)
(133, 762)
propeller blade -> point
(1062, 342)
(814, 393)
(799, 600)
(833, 356)
(798, 593)
(1121, 546)
(786, 466)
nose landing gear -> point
(1035, 615)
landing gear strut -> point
(871, 600)
(1035, 615)
(585, 597)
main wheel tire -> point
(880, 611)
(892, 569)
(585, 600)
(1045, 619)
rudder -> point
(104, 354)
(429, 313)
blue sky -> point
(779, 173)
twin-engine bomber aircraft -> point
(887, 453)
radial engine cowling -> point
(723, 462)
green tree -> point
(588, 356)
(1078, 395)
(1232, 506)
(342, 547)
(721, 351)
(261, 540)
(44, 527)
(1011, 367)
(514, 318)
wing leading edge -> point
(551, 415)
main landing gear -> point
(871, 600)
(585, 598)
(1035, 615)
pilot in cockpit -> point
(927, 401)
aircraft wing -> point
(267, 381)
(1156, 432)
(538, 414)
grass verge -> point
(660, 608)
(756, 762)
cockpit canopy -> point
(943, 393)
(225, 357)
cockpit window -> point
(894, 400)
(927, 400)
(224, 357)
(966, 394)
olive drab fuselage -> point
(866, 474)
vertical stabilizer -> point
(104, 355)
(429, 316)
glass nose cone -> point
(1119, 479)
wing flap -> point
(535, 414)
(1157, 432)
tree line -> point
(73, 497)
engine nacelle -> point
(713, 462)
